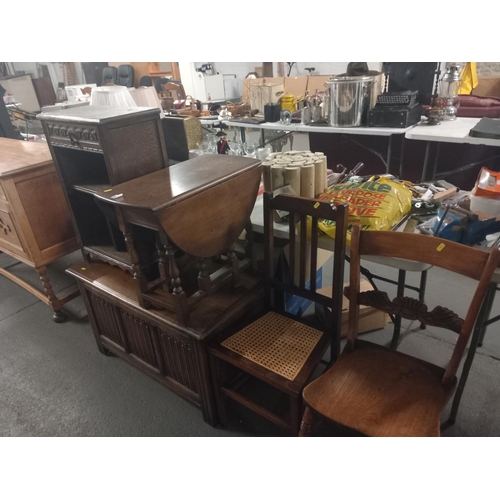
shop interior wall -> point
(55, 71)
(241, 69)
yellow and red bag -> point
(377, 205)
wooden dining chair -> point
(378, 391)
(174, 90)
(278, 349)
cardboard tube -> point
(307, 184)
(324, 169)
(277, 176)
(318, 178)
(292, 178)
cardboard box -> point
(265, 93)
(488, 86)
(248, 83)
(296, 85)
(370, 319)
(317, 83)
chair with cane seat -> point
(279, 349)
(378, 391)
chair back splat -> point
(300, 210)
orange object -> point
(487, 184)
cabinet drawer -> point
(8, 232)
(74, 136)
(2, 193)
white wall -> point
(55, 71)
(21, 88)
(322, 68)
(241, 69)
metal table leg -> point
(484, 325)
(389, 155)
(426, 161)
(397, 319)
(421, 293)
(401, 159)
(434, 169)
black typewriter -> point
(406, 98)
(395, 109)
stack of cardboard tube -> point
(303, 171)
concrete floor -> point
(54, 381)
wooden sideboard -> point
(35, 223)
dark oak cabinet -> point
(95, 148)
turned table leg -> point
(53, 302)
(236, 267)
(181, 304)
(204, 281)
(162, 262)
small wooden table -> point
(200, 207)
(35, 225)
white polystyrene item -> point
(112, 95)
(483, 204)
(146, 97)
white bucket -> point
(483, 204)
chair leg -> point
(295, 414)
(218, 396)
(307, 424)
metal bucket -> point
(349, 100)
